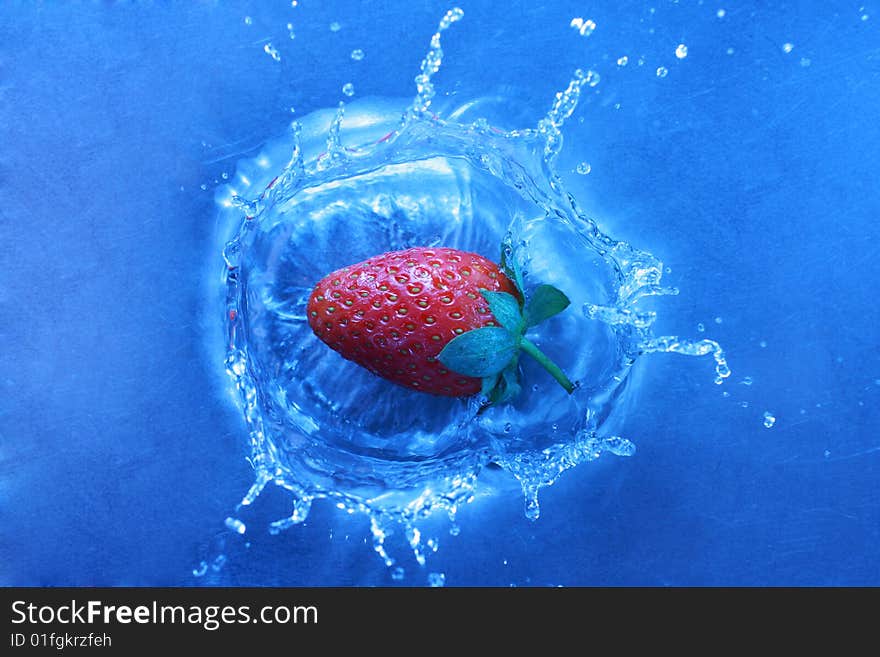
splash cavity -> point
(381, 176)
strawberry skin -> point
(394, 313)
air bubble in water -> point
(787, 47)
(622, 61)
(584, 168)
(701, 327)
(805, 62)
(437, 580)
(721, 13)
(681, 51)
(201, 569)
(357, 54)
(270, 50)
(348, 89)
(718, 320)
(248, 20)
(729, 51)
(398, 574)
(747, 381)
(335, 27)
(769, 419)
(662, 72)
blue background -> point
(751, 174)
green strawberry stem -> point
(532, 350)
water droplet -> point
(248, 20)
(584, 168)
(357, 54)
(662, 72)
(236, 525)
(721, 13)
(398, 574)
(622, 61)
(436, 580)
(769, 419)
(335, 27)
(348, 89)
(701, 327)
(681, 51)
(270, 50)
(787, 47)
(619, 446)
(585, 27)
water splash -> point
(431, 64)
(368, 178)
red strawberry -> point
(395, 313)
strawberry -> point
(437, 320)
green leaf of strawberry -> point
(505, 307)
(545, 302)
(480, 353)
(510, 264)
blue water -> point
(750, 174)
